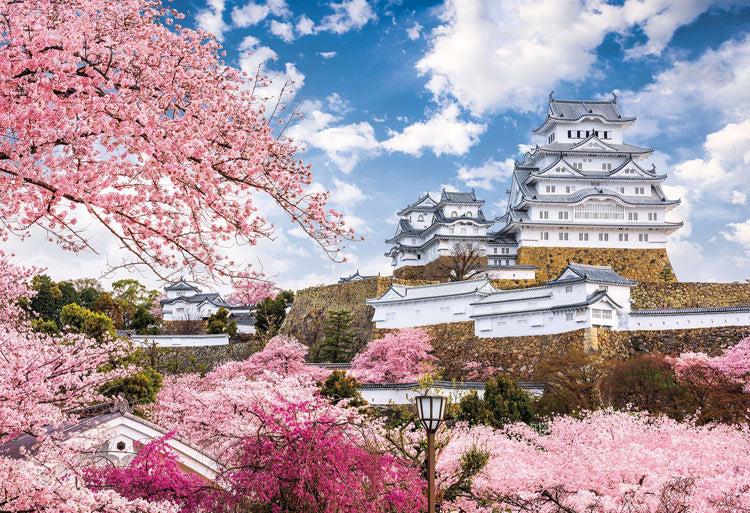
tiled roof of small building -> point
(439, 289)
(573, 110)
(212, 297)
(595, 273)
(182, 285)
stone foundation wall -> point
(643, 265)
(181, 360)
(658, 295)
(455, 345)
(309, 311)
(427, 272)
(622, 344)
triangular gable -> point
(426, 201)
(630, 169)
(608, 300)
(391, 293)
(593, 143)
(560, 168)
(568, 274)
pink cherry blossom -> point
(399, 357)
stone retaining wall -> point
(181, 360)
(621, 344)
(647, 296)
(643, 265)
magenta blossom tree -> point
(399, 357)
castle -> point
(584, 189)
(581, 200)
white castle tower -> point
(585, 186)
(428, 229)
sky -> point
(400, 98)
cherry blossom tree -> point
(399, 357)
(607, 461)
(115, 114)
(248, 291)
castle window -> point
(583, 237)
(596, 133)
(570, 188)
(494, 250)
(506, 250)
(544, 214)
(603, 237)
(568, 316)
(420, 218)
(562, 236)
(632, 216)
(568, 289)
(622, 190)
(640, 190)
(606, 134)
(570, 134)
(544, 236)
(562, 215)
(607, 166)
(454, 214)
(578, 134)
(550, 188)
(468, 214)
(587, 133)
(652, 216)
(451, 230)
(643, 237)
(595, 210)
(623, 237)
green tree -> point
(48, 299)
(144, 323)
(338, 386)
(504, 402)
(271, 313)
(69, 293)
(219, 322)
(131, 294)
(88, 297)
(77, 319)
(107, 305)
(339, 337)
(42, 326)
(666, 274)
(139, 388)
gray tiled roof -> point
(182, 285)
(354, 277)
(575, 197)
(212, 297)
(458, 197)
(592, 299)
(453, 288)
(595, 273)
(685, 311)
(558, 147)
(573, 110)
(413, 206)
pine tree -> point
(339, 337)
(666, 274)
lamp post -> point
(431, 409)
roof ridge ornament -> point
(614, 97)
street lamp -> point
(431, 409)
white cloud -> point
(442, 133)
(726, 160)
(359, 225)
(305, 26)
(740, 233)
(712, 87)
(346, 194)
(253, 13)
(487, 174)
(327, 55)
(337, 104)
(345, 145)
(211, 18)
(739, 198)
(282, 30)
(491, 55)
(253, 56)
(414, 32)
(347, 15)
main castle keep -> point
(583, 196)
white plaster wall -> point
(511, 274)
(181, 340)
(383, 396)
(181, 311)
(406, 314)
(545, 323)
(687, 321)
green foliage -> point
(107, 305)
(218, 322)
(77, 319)
(42, 326)
(69, 293)
(271, 313)
(339, 337)
(88, 296)
(139, 388)
(143, 322)
(339, 386)
(131, 294)
(666, 274)
(48, 299)
(504, 402)
(472, 462)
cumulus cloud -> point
(305, 26)
(491, 55)
(346, 195)
(739, 198)
(211, 18)
(414, 32)
(282, 30)
(327, 55)
(739, 233)
(255, 57)
(347, 15)
(486, 175)
(443, 133)
(253, 13)
(727, 157)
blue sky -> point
(405, 97)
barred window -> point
(599, 211)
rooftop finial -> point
(614, 97)
(551, 94)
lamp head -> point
(431, 409)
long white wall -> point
(181, 340)
(687, 320)
(424, 312)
